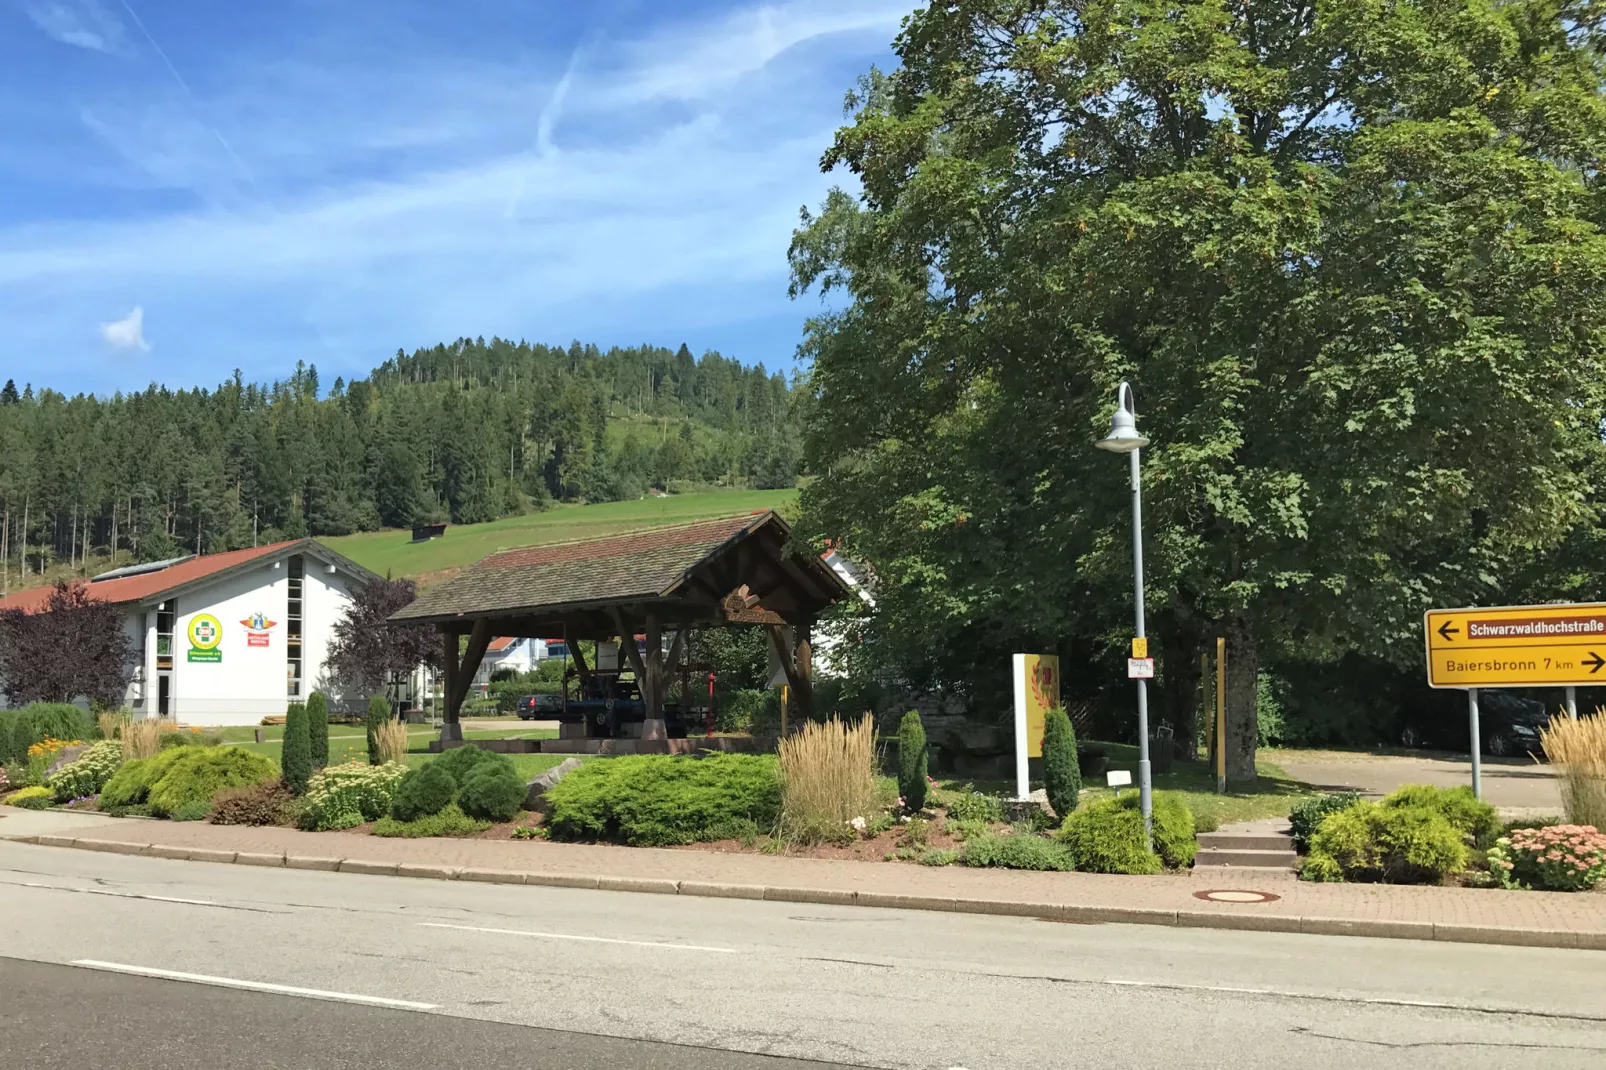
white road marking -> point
(254, 986)
(120, 895)
(585, 939)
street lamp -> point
(1124, 438)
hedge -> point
(1392, 844)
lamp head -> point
(1123, 436)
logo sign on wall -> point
(256, 629)
(206, 632)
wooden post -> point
(1221, 715)
(652, 724)
(450, 729)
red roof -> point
(149, 584)
(500, 644)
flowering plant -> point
(1557, 858)
(47, 746)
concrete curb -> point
(1078, 913)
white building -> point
(230, 638)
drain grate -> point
(1236, 895)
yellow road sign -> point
(1140, 647)
(1517, 646)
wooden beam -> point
(449, 674)
(478, 641)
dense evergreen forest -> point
(465, 432)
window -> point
(292, 626)
(166, 614)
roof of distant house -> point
(157, 579)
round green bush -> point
(1107, 837)
(492, 792)
(1307, 817)
(459, 760)
(1172, 827)
(423, 792)
(196, 774)
(1392, 844)
(1474, 818)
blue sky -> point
(188, 187)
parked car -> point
(1508, 724)
(538, 707)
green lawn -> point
(347, 746)
(394, 553)
(1273, 795)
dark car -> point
(1508, 724)
(538, 707)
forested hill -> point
(469, 432)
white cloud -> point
(128, 332)
(83, 23)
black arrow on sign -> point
(1446, 631)
(1594, 661)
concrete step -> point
(1236, 875)
(1217, 856)
(1247, 841)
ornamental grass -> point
(827, 780)
(390, 739)
(1578, 750)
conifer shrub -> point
(423, 792)
(658, 800)
(318, 729)
(378, 714)
(198, 774)
(451, 821)
(912, 782)
(1061, 775)
(297, 753)
(1107, 837)
(1391, 844)
(1473, 818)
(493, 791)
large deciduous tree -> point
(74, 647)
(367, 651)
(1348, 253)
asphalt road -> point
(538, 977)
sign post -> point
(1221, 715)
(1514, 646)
(1037, 690)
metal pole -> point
(1145, 787)
(1221, 715)
(1477, 745)
(1572, 703)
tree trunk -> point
(1179, 697)
(1243, 726)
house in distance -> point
(228, 638)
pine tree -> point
(318, 728)
(912, 761)
(297, 757)
(1061, 776)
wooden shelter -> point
(711, 573)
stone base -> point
(452, 731)
(571, 730)
(654, 729)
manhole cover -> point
(1232, 895)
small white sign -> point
(1118, 778)
(1140, 668)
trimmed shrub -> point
(1061, 774)
(8, 753)
(423, 792)
(1556, 858)
(1023, 850)
(89, 773)
(297, 753)
(965, 807)
(318, 729)
(378, 714)
(1392, 844)
(460, 760)
(939, 856)
(1107, 837)
(261, 804)
(492, 792)
(128, 785)
(653, 800)
(35, 798)
(1173, 829)
(912, 783)
(449, 822)
(197, 774)
(343, 796)
(1308, 815)
(1475, 819)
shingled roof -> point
(543, 582)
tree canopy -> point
(75, 647)
(1347, 252)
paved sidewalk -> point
(1425, 913)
